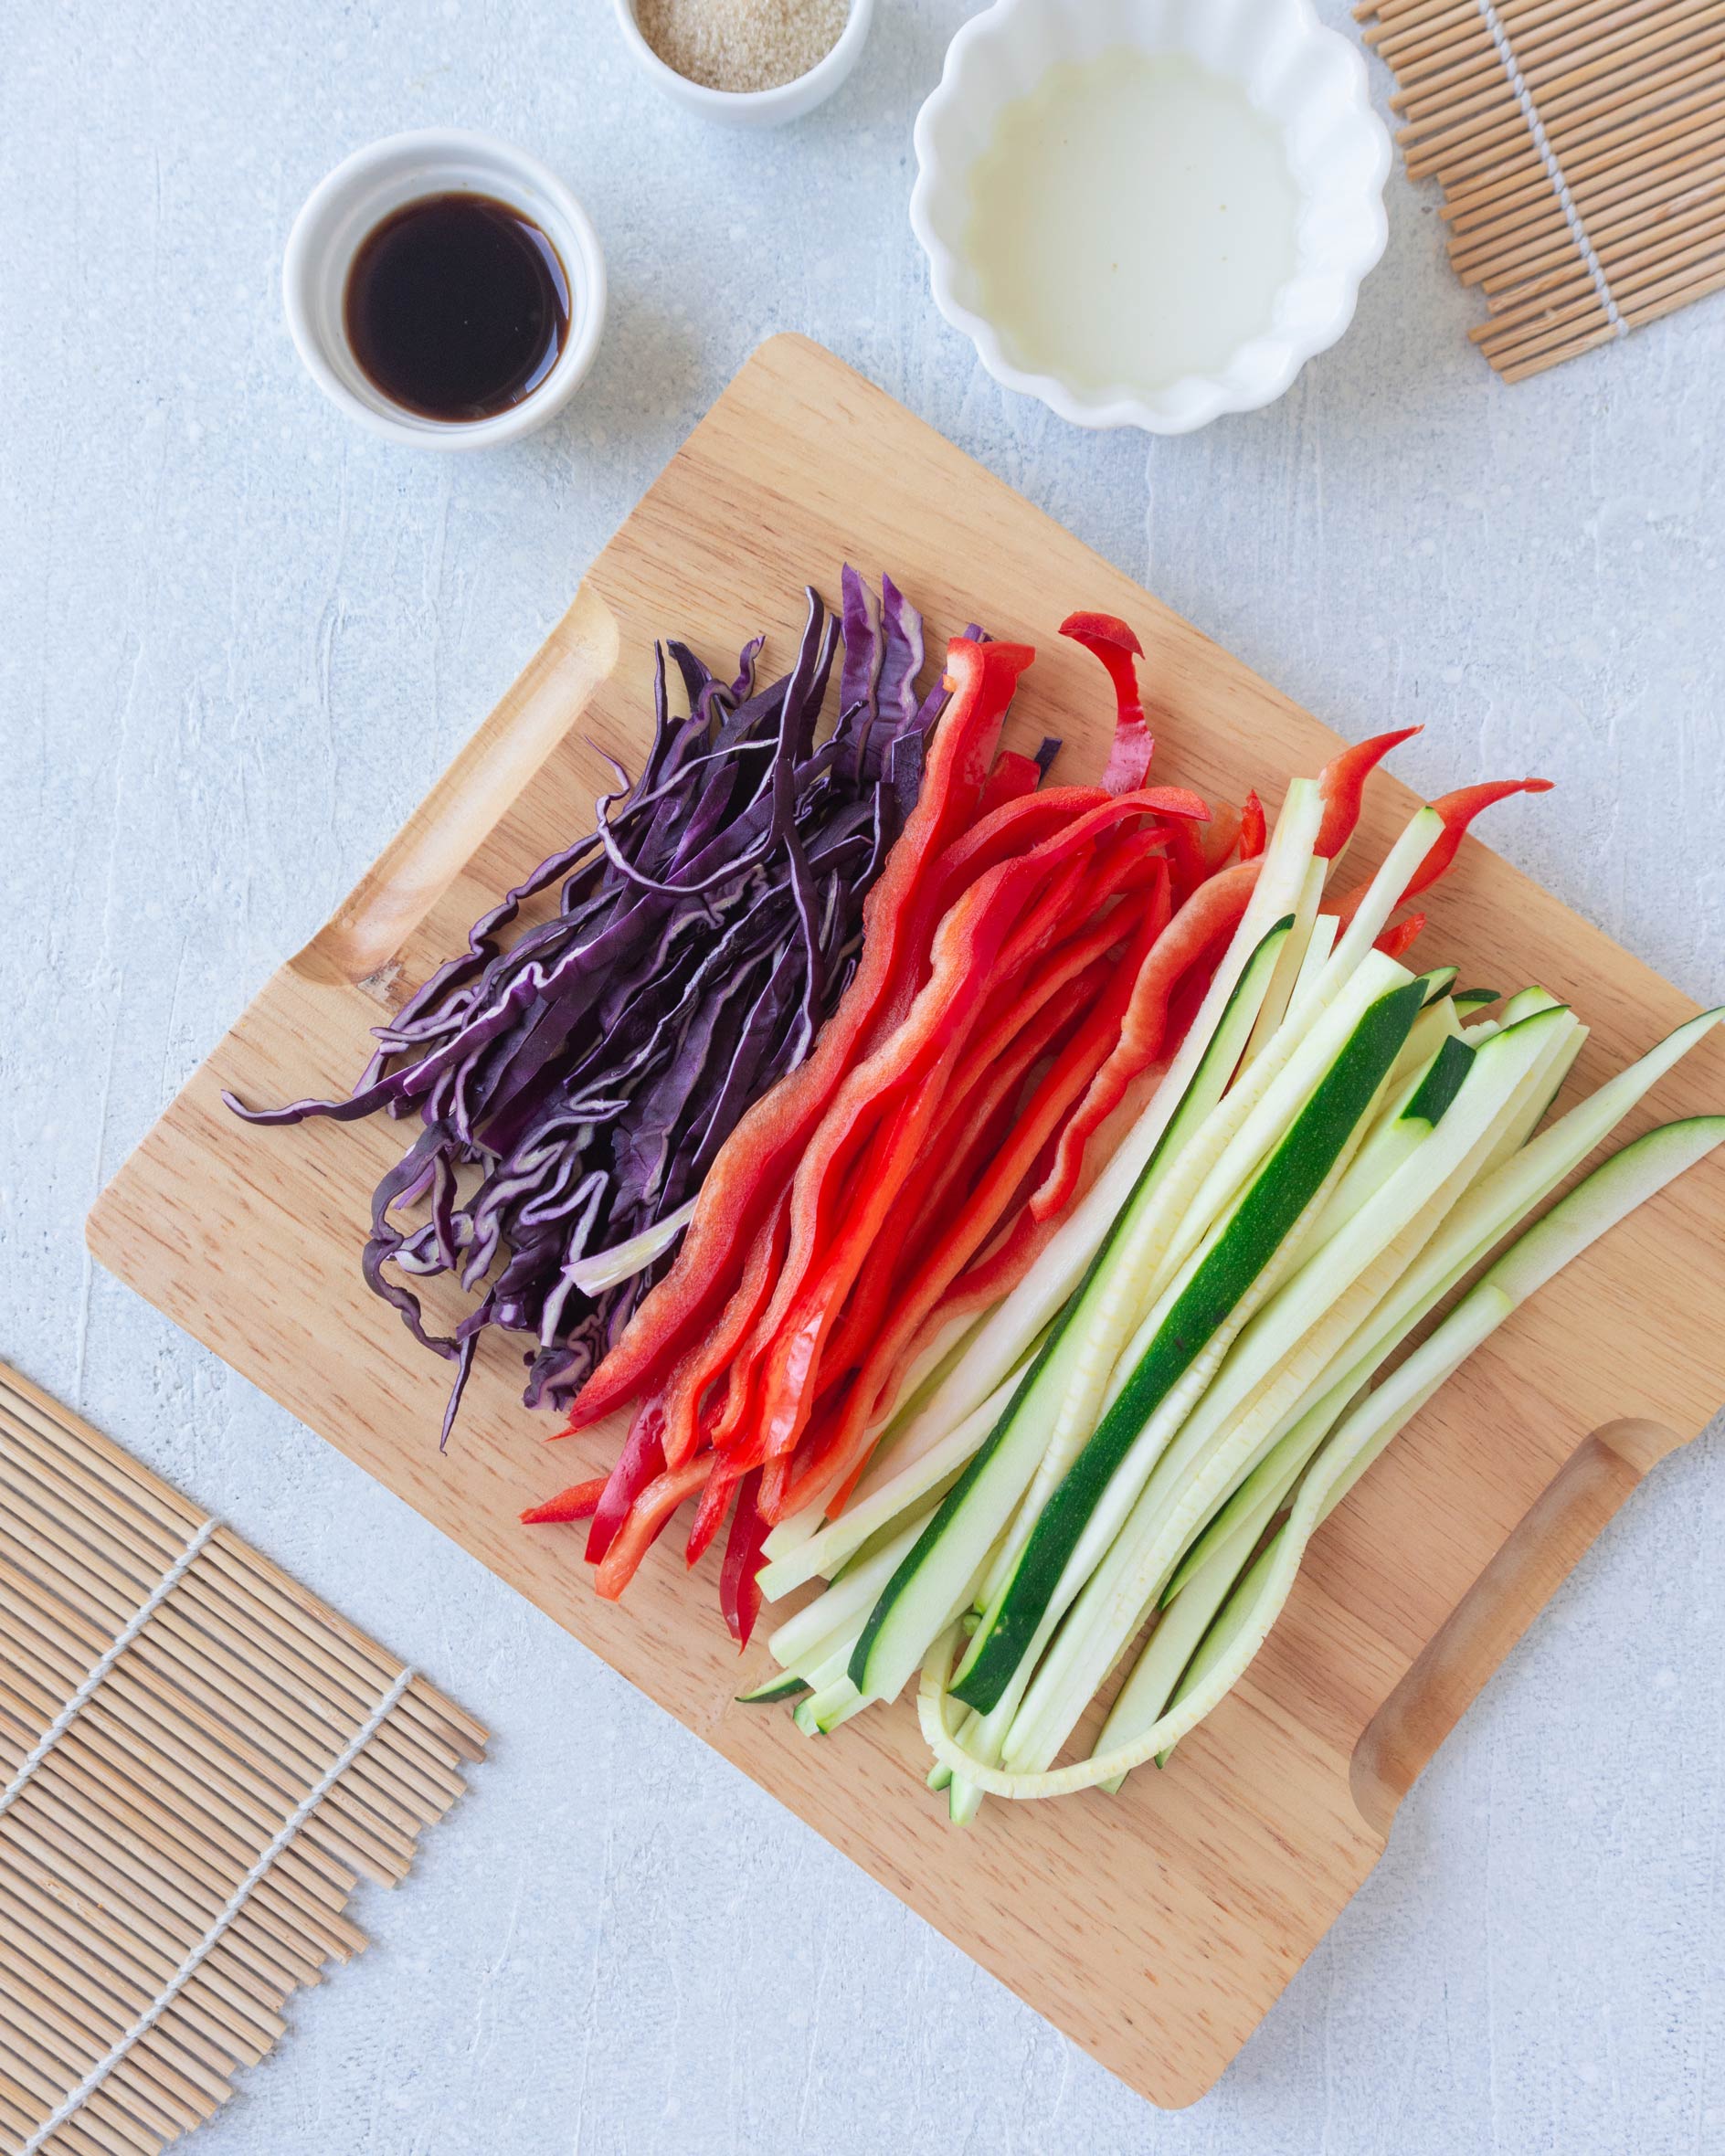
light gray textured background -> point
(238, 641)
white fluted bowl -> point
(1308, 81)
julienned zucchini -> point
(913, 1606)
(1606, 1196)
(1287, 1345)
(1273, 1202)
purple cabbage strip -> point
(575, 1084)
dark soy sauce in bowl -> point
(457, 306)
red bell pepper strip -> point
(709, 1516)
(1254, 828)
(1186, 861)
(955, 1159)
(1012, 777)
(1073, 1070)
(992, 1077)
(710, 1356)
(648, 1517)
(641, 1459)
(739, 1580)
(980, 1107)
(1342, 785)
(1212, 912)
(913, 1065)
(1108, 638)
(792, 1355)
(1458, 810)
(1009, 834)
(1220, 836)
(747, 1175)
(1397, 942)
(579, 1501)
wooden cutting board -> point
(1156, 1927)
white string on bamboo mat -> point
(134, 1625)
(1553, 169)
(231, 1908)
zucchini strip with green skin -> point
(1508, 1193)
(1321, 1053)
(1624, 1181)
(842, 1606)
(1417, 1109)
(1272, 1366)
(1266, 1213)
(835, 1543)
(1255, 1115)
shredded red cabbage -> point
(575, 1086)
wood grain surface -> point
(1156, 1926)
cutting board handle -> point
(459, 812)
(1546, 1544)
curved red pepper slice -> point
(1342, 785)
(713, 1357)
(1397, 942)
(1014, 1032)
(739, 1588)
(1254, 828)
(579, 1501)
(975, 1124)
(641, 1459)
(1458, 810)
(1221, 836)
(746, 1175)
(1108, 638)
(1012, 777)
(977, 1218)
(709, 1515)
(649, 1515)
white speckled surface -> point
(238, 639)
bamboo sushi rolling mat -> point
(1581, 148)
(198, 1761)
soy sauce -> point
(457, 306)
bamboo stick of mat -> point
(1577, 143)
(198, 1759)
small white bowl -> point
(754, 108)
(372, 185)
(1305, 79)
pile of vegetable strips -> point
(1014, 988)
(576, 1084)
(1103, 1497)
(1026, 1208)
(1049, 1309)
